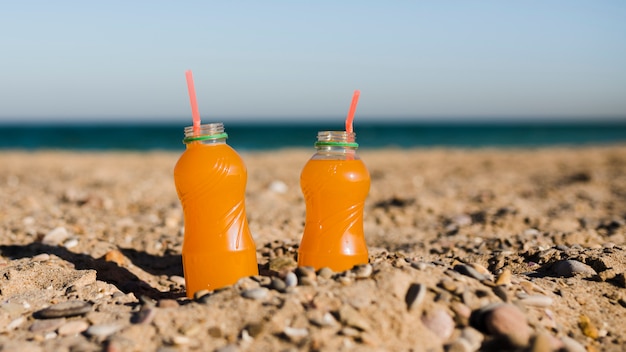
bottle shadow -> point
(108, 271)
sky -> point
(296, 60)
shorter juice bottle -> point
(210, 179)
(335, 184)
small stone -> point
(459, 345)
(178, 280)
(306, 271)
(569, 268)
(440, 323)
(64, 309)
(469, 271)
(473, 337)
(73, 327)
(116, 257)
(448, 285)
(572, 345)
(542, 343)
(46, 325)
(415, 296)
(296, 333)
(43, 257)
(278, 186)
(351, 317)
(481, 269)
(15, 323)
(587, 327)
(362, 271)
(144, 316)
(536, 301)
(228, 348)
(501, 292)
(180, 340)
(255, 293)
(504, 279)
(55, 237)
(507, 321)
(462, 220)
(325, 272)
(278, 284)
(201, 295)
(70, 243)
(322, 319)
(291, 280)
(103, 330)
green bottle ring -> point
(337, 144)
(222, 135)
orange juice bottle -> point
(210, 179)
(335, 183)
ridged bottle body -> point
(335, 183)
(218, 248)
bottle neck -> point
(211, 133)
(336, 144)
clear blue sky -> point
(93, 60)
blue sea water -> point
(141, 137)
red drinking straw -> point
(194, 103)
(350, 118)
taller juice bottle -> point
(210, 179)
(335, 184)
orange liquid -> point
(335, 192)
(218, 248)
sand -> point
(469, 250)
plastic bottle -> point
(335, 184)
(210, 179)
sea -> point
(272, 136)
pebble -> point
(116, 257)
(103, 330)
(507, 321)
(43, 257)
(178, 280)
(351, 317)
(587, 327)
(55, 237)
(46, 325)
(439, 322)
(278, 284)
(15, 323)
(65, 309)
(296, 333)
(572, 345)
(473, 337)
(73, 327)
(322, 319)
(569, 268)
(325, 272)
(536, 301)
(279, 187)
(144, 316)
(291, 280)
(362, 271)
(542, 343)
(70, 243)
(201, 295)
(504, 279)
(469, 271)
(415, 296)
(255, 293)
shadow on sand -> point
(110, 272)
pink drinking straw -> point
(350, 118)
(194, 103)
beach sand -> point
(469, 249)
